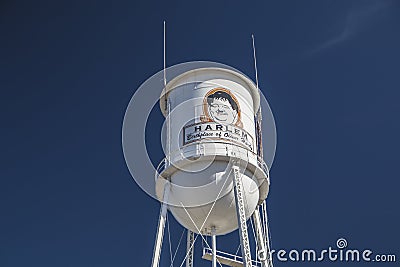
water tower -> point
(213, 178)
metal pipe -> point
(214, 247)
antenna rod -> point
(167, 103)
(259, 114)
(255, 59)
(165, 76)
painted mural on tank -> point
(221, 120)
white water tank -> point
(209, 128)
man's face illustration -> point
(221, 111)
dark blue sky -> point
(329, 69)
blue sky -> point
(329, 69)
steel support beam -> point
(262, 250)
(241, 215)
(189, 248)
(266, 233)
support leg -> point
(160, 228)
(262, 250)
(267, 241)
(241, 215)
(189, 248)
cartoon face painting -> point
(222, 108)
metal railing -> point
(231, 257)
(184, 153)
